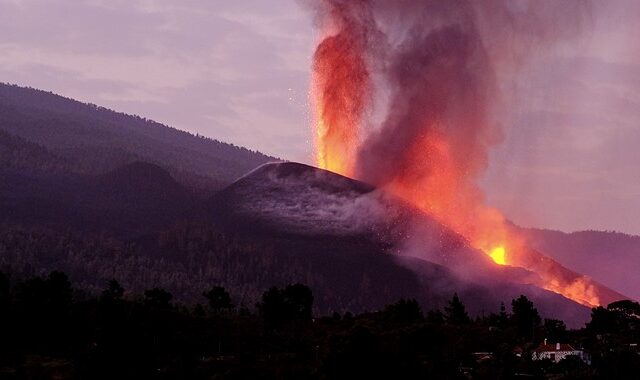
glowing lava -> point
(498, 255)
(340, 84)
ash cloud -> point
(440, 63)
(444, 67)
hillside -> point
(341, 225)
(97, 140)
(102, 195)
(609, 257)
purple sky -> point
(238, 71)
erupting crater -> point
(437, 63)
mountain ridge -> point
(98, 139)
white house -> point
(558, 351)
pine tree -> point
(455, 313)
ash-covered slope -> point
(341, 224)
(296, 198)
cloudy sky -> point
(238, 71)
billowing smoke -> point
(438, 62)
(439, 69)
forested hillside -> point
(102, 195)
(95, 140)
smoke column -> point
(441, 64)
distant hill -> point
(95, 140)
(612, 258)
(132, 200)
(65, 164)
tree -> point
(435, 316)
(158, 298)
(455, 313)
(5, 287)
(603, 321)
(219, 299)
(403, 312)
(555, 330)
(503, 317)
(524, 317)
(113, 291)
(59, 290)
(291, 303)
(627, 307)
(617, 317)
(628, 313)
(299, 301)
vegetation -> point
(51, 330)
(41, 131)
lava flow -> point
(498, 255)
(439, 62)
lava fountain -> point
(341, 87)
(440, 63)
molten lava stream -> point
(498, 255)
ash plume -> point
(441, 69)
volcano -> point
(344, 225)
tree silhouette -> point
(555, 330)
(219, 299)
(273, 308)
(4, 289)
(299, 301)
(403, 312)
(455, 313)
(291, 303)
(113, 291)
(602, 321)
(158, 298)
(525, 317)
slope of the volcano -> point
(299, 199)
(342, 226)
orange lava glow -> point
(449, 196)
(339, 84)
(498, 255)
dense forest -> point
(52, 330)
